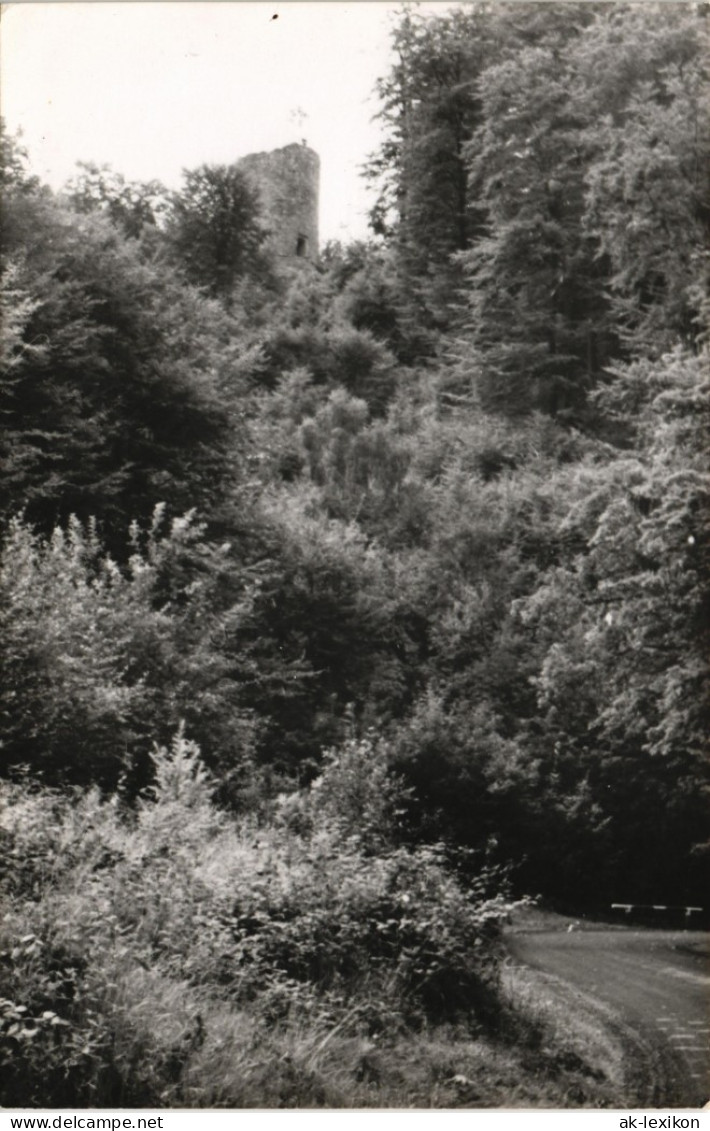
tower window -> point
(301, 246)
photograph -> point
(354, 560)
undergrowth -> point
(165, 954)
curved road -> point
(658, 985)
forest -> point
(346, 607)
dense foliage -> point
(413, 543)
(121, 915)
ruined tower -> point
(287, 182)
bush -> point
(134, 937)
(98, 662)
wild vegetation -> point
(343, 606)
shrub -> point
(98, 662)
(134, 936)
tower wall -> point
(287, 181)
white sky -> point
(152, 88)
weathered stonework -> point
(287, 181)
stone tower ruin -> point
(287, 181)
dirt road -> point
(658, 985)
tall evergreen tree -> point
(430, 107)
(648, 187)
